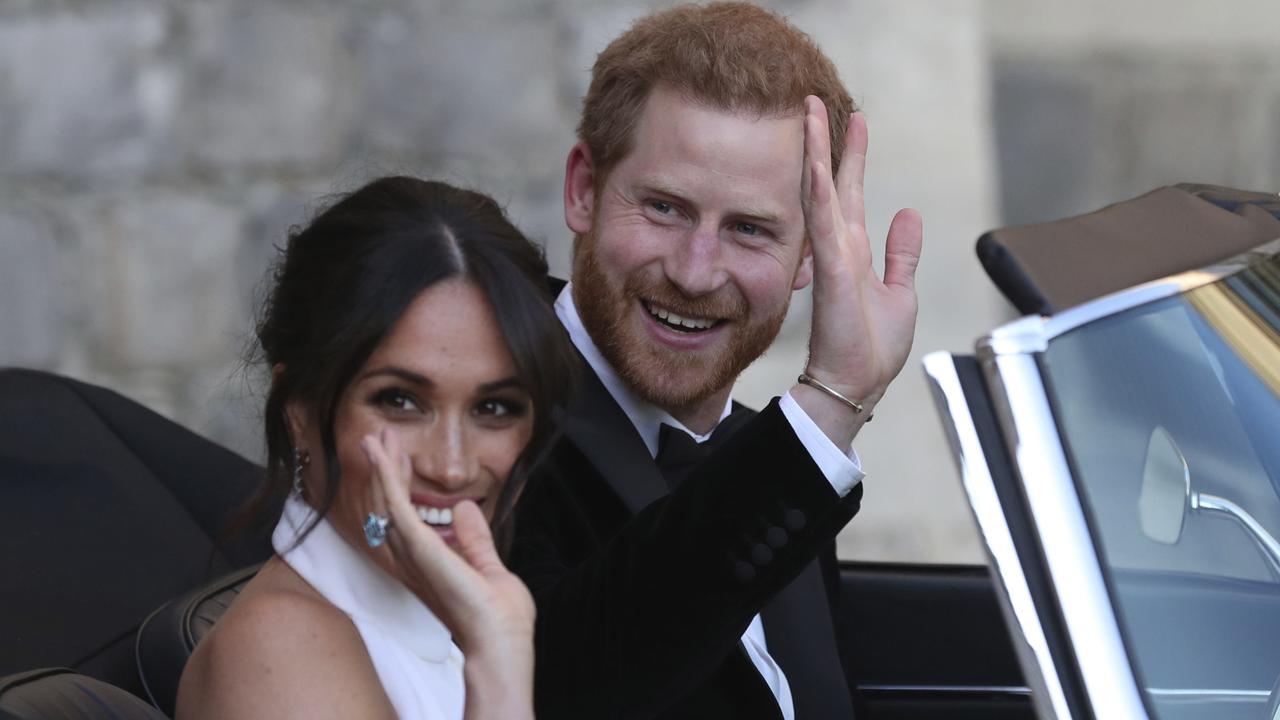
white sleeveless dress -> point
(412, 651)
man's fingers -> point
(853, 168)
(902, 249)
(820, 204)
(475, 539)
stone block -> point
(587, 31)
(32, 320)
(1046, 139)
(84, 92)
(224, 404)
(1194, 119)
(160, 271)
(461, 90)
(265, 84)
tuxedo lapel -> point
(798, 627)
(801, 637)
(605, 435)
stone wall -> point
(1098, 101)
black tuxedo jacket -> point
(643, 596)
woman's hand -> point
(486, 607)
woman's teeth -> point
(435, 516)
(679, 321)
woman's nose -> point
(444, 457)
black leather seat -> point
(170, 634)
(107, 510)
(63, 694)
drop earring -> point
(300, 460)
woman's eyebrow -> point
(502, 385)
(398, 372)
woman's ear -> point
(579, 189)
(298, 415)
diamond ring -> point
(375, 529)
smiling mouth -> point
(680, 323)
(436, 516)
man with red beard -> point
(671, 538)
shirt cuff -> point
(843, 471)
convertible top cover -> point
(1049, 267)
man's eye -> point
(662, 207)
(743, 228)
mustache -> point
(725, 304)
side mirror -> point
(1166, 489)
(1166, 498)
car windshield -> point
(1170, 415)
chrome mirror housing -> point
(1166, 489)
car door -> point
(1122, 459)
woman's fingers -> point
(389, 489)
(413, 543)
(377, 480)
(475, 539)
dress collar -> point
(648, 419)
(350, 580)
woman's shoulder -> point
(281, 650)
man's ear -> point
(804, 273)
(579, 189)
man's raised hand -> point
(862, 325)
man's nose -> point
(443, 455)
(695, 265)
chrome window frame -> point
(1009, 361)
(1016, 600)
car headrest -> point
(63, 694)
(170, 634)
(1049, 267)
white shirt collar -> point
(646, 418)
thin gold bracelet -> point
(806, 379)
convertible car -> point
(1119, 446)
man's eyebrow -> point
(398, 372)
(658, 186)
(757, 216)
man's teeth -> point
(673, 319)
(435, 516)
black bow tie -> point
(678, 452)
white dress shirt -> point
(843, 471)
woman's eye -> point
(499, 409)
(396, 400)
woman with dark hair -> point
(415, 364)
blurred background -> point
(153, 154)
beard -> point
(663, 376)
